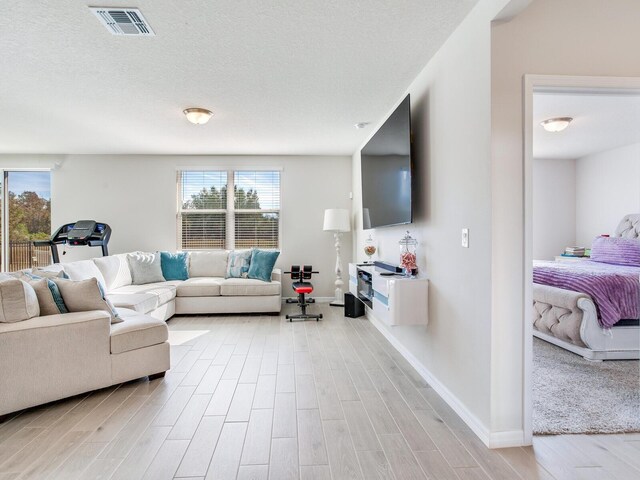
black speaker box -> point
(353, 308)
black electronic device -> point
(386, 167)
(365, 287)
(353, 308)
(83, 232)
(387, 266)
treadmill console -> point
(81, 231)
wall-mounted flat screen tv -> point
(386, 172)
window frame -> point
(230, 212)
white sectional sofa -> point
(48, 358)
(206, 291)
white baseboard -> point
(491, 440)
(513, 438)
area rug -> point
(573, 395)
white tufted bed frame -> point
(570, 320)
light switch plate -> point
(465, 237)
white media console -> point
(392, 299)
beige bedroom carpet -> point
(573, 395)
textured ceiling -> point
(600, 122)
(282, 77)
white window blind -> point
(257, 209)
(210, 217)
(202, 210)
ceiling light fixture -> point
(361, 125)
(556, 124)
(198, 116)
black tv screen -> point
(386, 172)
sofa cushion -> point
(18, 300)
(115, 270)
(83, 270)
(145, 268)
(246, 286)
(137, 331)
(208, 264)
(140, 302)
(175, 266)
(200, 287)
(165, 291)
(86, 295)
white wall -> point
(569, 37)
(452, 190)
(607, 189)
(137, 196)
(554, 206)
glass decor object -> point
(408, 249)
(369, 248)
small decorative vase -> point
(408, 249)
(369, 248)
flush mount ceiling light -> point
(198, 116)
(361, 125)
(556, 124)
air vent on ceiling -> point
(123, 21)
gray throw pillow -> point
(145, 268)
(86, 295)
(18, 300)
(46, 299)
(49, 297)
(52, 271)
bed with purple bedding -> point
(592, 307)
(615, 289)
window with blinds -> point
(228, 209)
(202, 210)
(257, 209)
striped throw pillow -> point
(616, 250)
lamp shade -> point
(337, 220)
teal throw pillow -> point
(174, 265)
(238, 264)
(262, 263)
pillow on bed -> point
(616, 250)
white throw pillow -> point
(86, 295)
(83, 270)
(145, 268)
(18, 301)
(208, 264)
(115, 270)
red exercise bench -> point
(302, 288)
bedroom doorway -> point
(580, 182)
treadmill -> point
(81, 233)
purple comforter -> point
(615, 289)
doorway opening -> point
(580, 183)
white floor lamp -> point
(337, 220)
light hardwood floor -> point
(257, 397)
